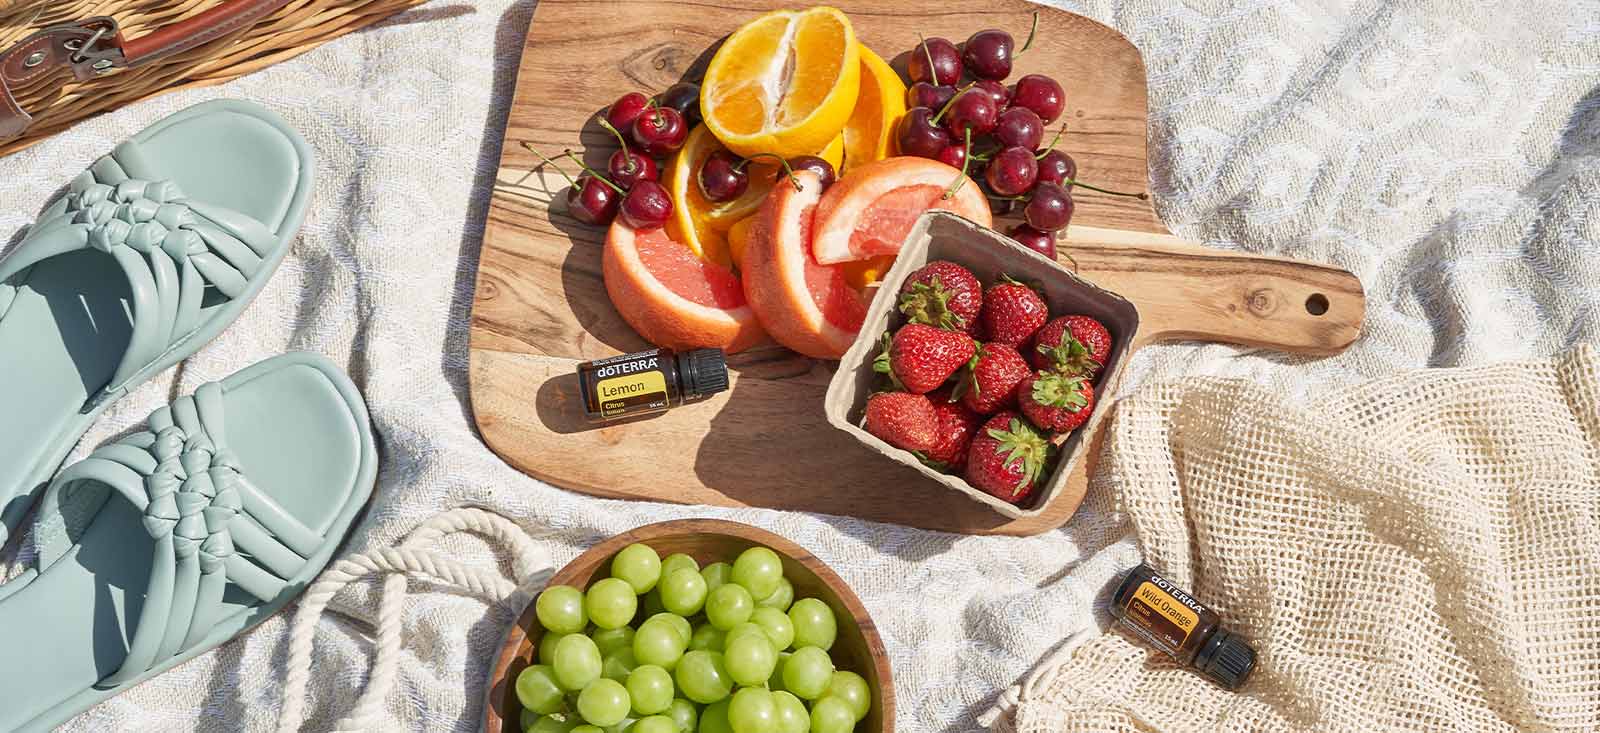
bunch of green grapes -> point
(724, 649)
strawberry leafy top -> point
(883, 364)
(928, 303)
(1070, 357)
(1057, 390)
(1023, 444)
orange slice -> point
(870, 133)
(784, 83)
(673, 298)
(869, 212)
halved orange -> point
(869, 212)
(673, 298)
(870, 134)
(784, 83)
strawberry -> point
(991, 379)
(919, 358)
(1056, 402)
(1012, 312)
(1007, 457)
(1072, 345)
(902, 419)
(942, 294)
(954, 433)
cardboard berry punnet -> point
(941, 235)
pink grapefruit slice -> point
(673, 298)
(869, 212)
(810, 308)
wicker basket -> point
(62, 93)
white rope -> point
(1002, 717)
(397, 563)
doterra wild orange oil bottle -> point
(1174, 622)
(649, 381)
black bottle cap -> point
(1226, 659)
(705, 372)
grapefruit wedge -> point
(673, 298)
(869, 212)
(807, 307)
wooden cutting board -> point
(541, 306)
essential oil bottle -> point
(1171, 620)
(649, 382)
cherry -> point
(996, 91)
(647, 206)
(1041, 94)
(953, 155)
(723, 177)
(684, 97)
(921, 135)
(626, 109)
(1058, 168)
(936, 61)
(1019, 127)
(1049, 209)
(660, 130)
(923, 94)
(627, 168)
(1012, 171)
(592, 201)
(822, 168)
(971, 109)
(1042, 242)
(988, 54)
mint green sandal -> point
(151, 253)
(165, 544)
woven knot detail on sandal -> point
(143, 215)
(194, 495)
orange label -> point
(1160, 618)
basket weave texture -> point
(56, 101)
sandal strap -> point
(210, 527)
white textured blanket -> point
(1444, 151)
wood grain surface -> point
(858, 649)
(541, 306)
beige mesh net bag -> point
(1419, 554)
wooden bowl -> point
(858, 649)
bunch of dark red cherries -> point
(993, 132)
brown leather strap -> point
(208, 26)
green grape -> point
(560, 609)
(577, 662)
(650, 688)
(684, 713)
(707, 638)
(553, 724)
(832, 715)
(750, 659)
(851, 688)
(678, 561)
(703, 677)
(758, 569)
(658, 643)
(586, 728)
(618, 665)
(650, 604)
(813, 624)
(639, 565)
(780, 598)
(714, 719)
(775, 682)
(611, 603)
(728, 606)
(538, 690)
(716, 575)
(777, 625)
(610, 640)
(604, 702)
(678, 624)
(752, 710)
(547, 648)
(683, 592)
(807, 673)
(527, 719)
(742, 629)
(654, 724)
(792, 715)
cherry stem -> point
(1031, 33)
(552, 164)
(961, 180)
(953, 98)
(929, 53)
(1046, 149)
(620, 140)
(1076, 182)
(788, 171)
(597, 174)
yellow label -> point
(644, 390)
(1160, 618)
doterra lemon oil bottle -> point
(649, 381)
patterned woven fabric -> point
(1446, 153)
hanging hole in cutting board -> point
(1317, 304)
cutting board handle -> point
(1186, 291)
